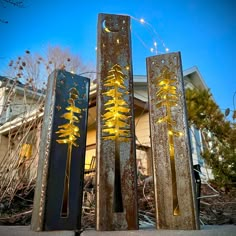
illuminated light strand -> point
(143, 43)
(152, 30)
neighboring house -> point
(20, 125)
(20, 122)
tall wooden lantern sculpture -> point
(116, 204)
(59, 187)
(172, 164)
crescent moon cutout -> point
(107, 29)
(104, 26)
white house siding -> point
(2, 99)
(15, 169)
(142, 129)
(90, 146)
(142, 133)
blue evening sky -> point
(204, 31)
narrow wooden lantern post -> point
(172, 164)
(116, 204)
(59, 187)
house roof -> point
(14, 124)
(193, 76)
(19, 87)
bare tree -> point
(15, 3)
(33, 69)
(30, 72)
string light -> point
(154, 34)
(155, 37)
(142, 20)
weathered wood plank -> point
(172, 164)
(59, 187)
(116, 205)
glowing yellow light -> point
(118, 41)
(115, 118)
(167, 97)
(107, 30)
(26, 151)
(72, 72)
(176, 211)
(69, 131)
(127, 68)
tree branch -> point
(15, 3)
(3, 21)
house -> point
(21, 110)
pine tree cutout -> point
(116, 123)
(168, 97)
(68, 134)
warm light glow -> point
(26, 151)
(69, 132)
(167, 97)
(117, 82)
(127, 68)
(107, 30)
(176, 211)
(115, 118)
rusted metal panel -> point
(172, 164)
(59, 187)
(116, 204)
